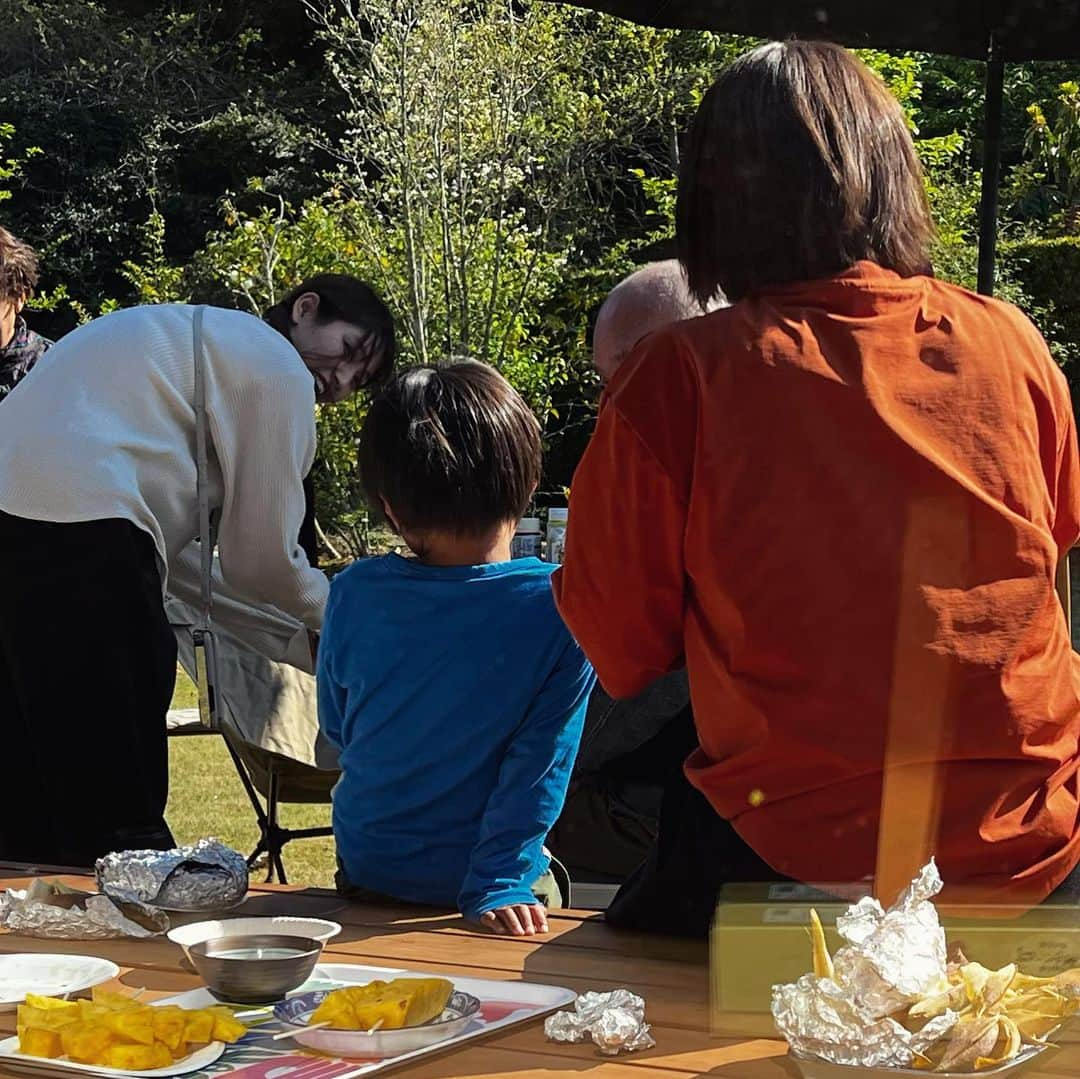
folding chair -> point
(278, 779)
(265, 712)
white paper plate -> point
(316, 928)
(10, 1057)
(49, 976)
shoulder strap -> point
(202, 634)
(206, 537)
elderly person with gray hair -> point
(647, 300)
(632, 749)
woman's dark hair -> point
(351, 300)
(451, 448)
(799, 164)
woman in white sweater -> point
(98, 502)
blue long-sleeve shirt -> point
(456, 697)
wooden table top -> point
(579, 953)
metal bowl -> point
(295, 1015)
(257, 969)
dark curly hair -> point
(18, 268)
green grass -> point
(185, 695)
(206, 799)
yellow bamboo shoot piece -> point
(823, 965)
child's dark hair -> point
(344, 297)
(451, 448)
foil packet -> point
(615, 1022)
(51, 910)
(891, 958)
(207, 876)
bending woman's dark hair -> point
(349, 299)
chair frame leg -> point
(272, 837)
(275, 840)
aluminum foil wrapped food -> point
(891, 999)
(615, 1021)
(51, 910)
(207, 876)
(891, 958)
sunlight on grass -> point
(185, 695)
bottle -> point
(526, 541)
(556, 532)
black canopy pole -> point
(991, 169)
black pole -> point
(991, 170)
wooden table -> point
(580, 953)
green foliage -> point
(1054, 146)
(11, 167)
(901, 73)
(1050, 269)
(141, 108)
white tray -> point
(503, 1004)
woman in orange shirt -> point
(841, 502)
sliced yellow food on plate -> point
(114, 1031)
(37, 1042)
(402, 1002)
(137, 1057)
(85, 1043)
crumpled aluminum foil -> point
(49, 911)
(891, 958)
(205, 877)
(615, 1021)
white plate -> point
(49, 976)
(12, 1058)
(315, 928)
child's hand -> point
(520, 920)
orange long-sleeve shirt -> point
(843, 503)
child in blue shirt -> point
(447, 680)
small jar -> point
(556, 533)
(527, 539)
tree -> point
(1054, 146)
(484, 183)
(159, 110)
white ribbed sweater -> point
(104, 426)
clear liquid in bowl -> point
(260, 953)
